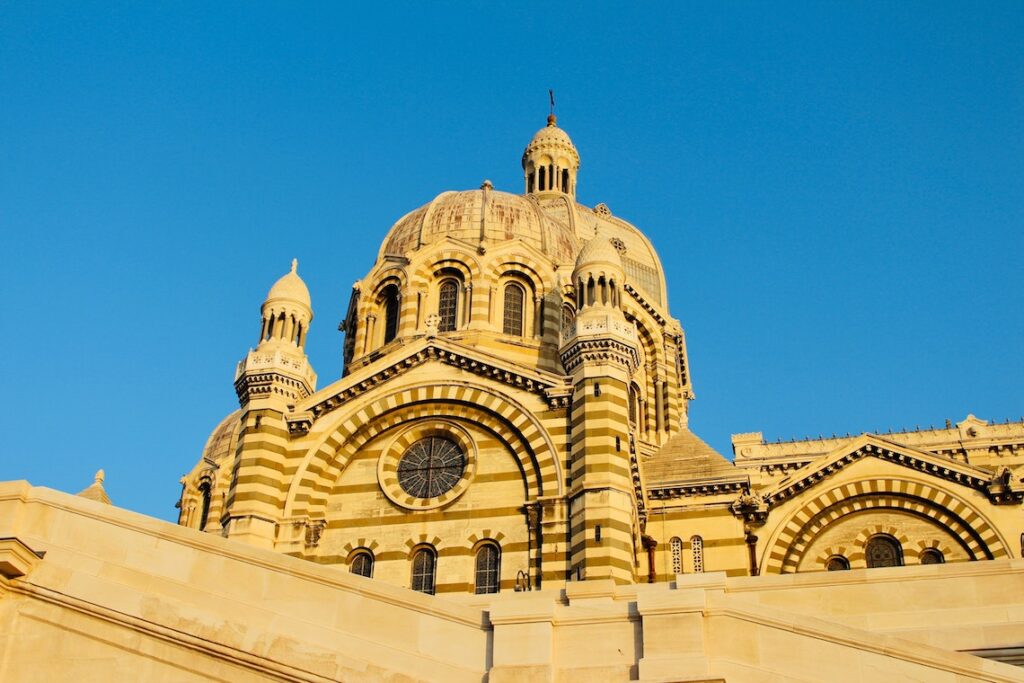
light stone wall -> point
(119, 596)
(360, 515)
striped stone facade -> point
(532, 334)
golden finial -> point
(551, 116)
(295, 264)
(100, 476)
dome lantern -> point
(551, 162)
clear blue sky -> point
(836, 191)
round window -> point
(431, 467)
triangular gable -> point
(872, 445)
(551, 387)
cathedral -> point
(504, 485)
(513, 415)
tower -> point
(269, 381)
(600, 352)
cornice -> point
(594, 350)
(554, 389)
(999, 488)
(645, 304)
(698, 488)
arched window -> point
(884, 551)
(565, 181)
(634, 399)
(424, 564)
(488, 568)
(697, 548)
(837, 563)
(676, 544)
(361, 563)
(447, 305)
(931, 556)
(204, 489)
(390, 313)
(540, 185)
(513, 319)
(568, 316)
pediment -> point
(996, 486)
(555, 389)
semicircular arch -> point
(977, 535)
(429, 263)
(522, 433)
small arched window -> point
(837, 563)
(424, 564)
(540, 184)
(697, 548)
(448, 305)
(676, 544)
(931, 556)
(568, 316)
(634, 399)
(361, 563)
(883, 551)
(390, 313)
(204, 490)
(513, 319)
(488, 568)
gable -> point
(997, 487)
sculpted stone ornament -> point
(433, 324)
(752, 508)
(1004, 489)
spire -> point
(295, 266)
(96, 491)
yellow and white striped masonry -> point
(578, 421)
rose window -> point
(431, 467)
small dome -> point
(599, 251)
(554, 141)
(291, 287)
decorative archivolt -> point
(976, 534)
(448, 257)
(507, 420)
(391, 274)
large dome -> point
(484, 215)
(547, 217)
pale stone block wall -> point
(118, 596)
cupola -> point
(287, 310)
(551, 162)
(598, 275)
